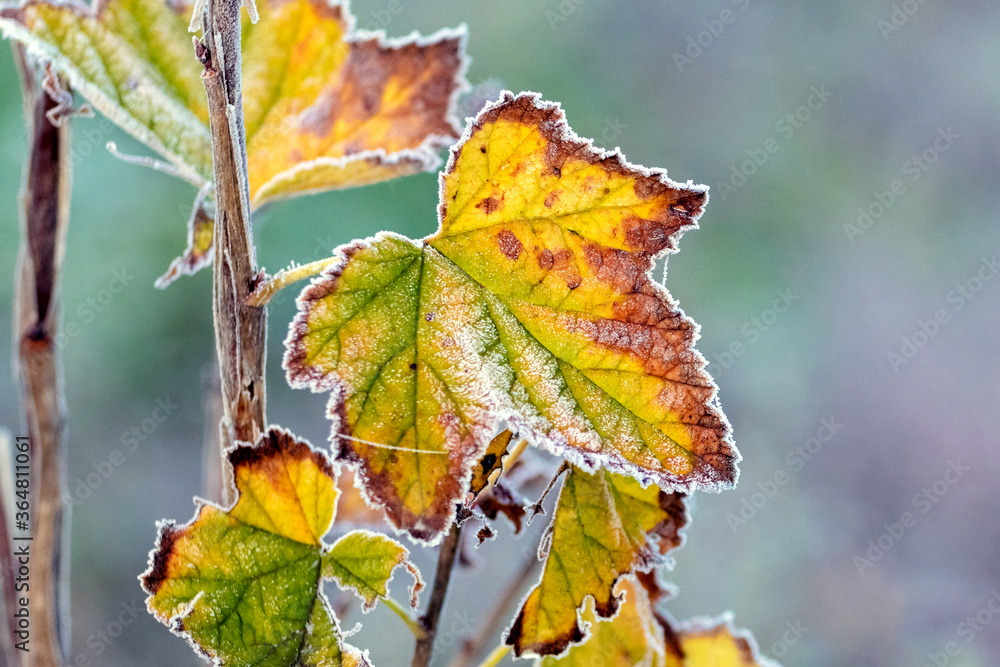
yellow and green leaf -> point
(633, 638)
(324, 108)
(364, 561)
(244, 583)
(715, 643)
(532, 306)
(600, 533)
(639, 637)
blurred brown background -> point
(856, 350)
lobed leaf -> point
(243, 584)
(638, 636)
(324, 107)
(600, 532)
(633, 638)
(364, 561)
(532, 306)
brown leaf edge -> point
(276, 440)
(664, 537)
(376, 491)
(715, 470)
(718, 471)
(723, 624)
(424, 157)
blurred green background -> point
(807, 111)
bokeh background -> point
(836, 101)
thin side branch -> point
(240, 330)
(45, 213)
(499, 617)
(286, 277)
(442, 579)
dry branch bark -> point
(45, 214)
(442, 579)
(240, 330)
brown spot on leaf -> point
(510, 245)
(562, 147)
(490, 204)
(545, 259)
(425, 72)
(551, 198)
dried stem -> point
(45, 213)
(442, 578)
(240, 330)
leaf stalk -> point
(412, 623)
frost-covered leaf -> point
(324, 107)
(133, 61)
(243, 584)
(638, 637)
(633, 638)
(364, 562)
(198, 255)
(532, 306)
(715, 642)
(600, 532)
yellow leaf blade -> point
(599, 535)
(552, 326)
